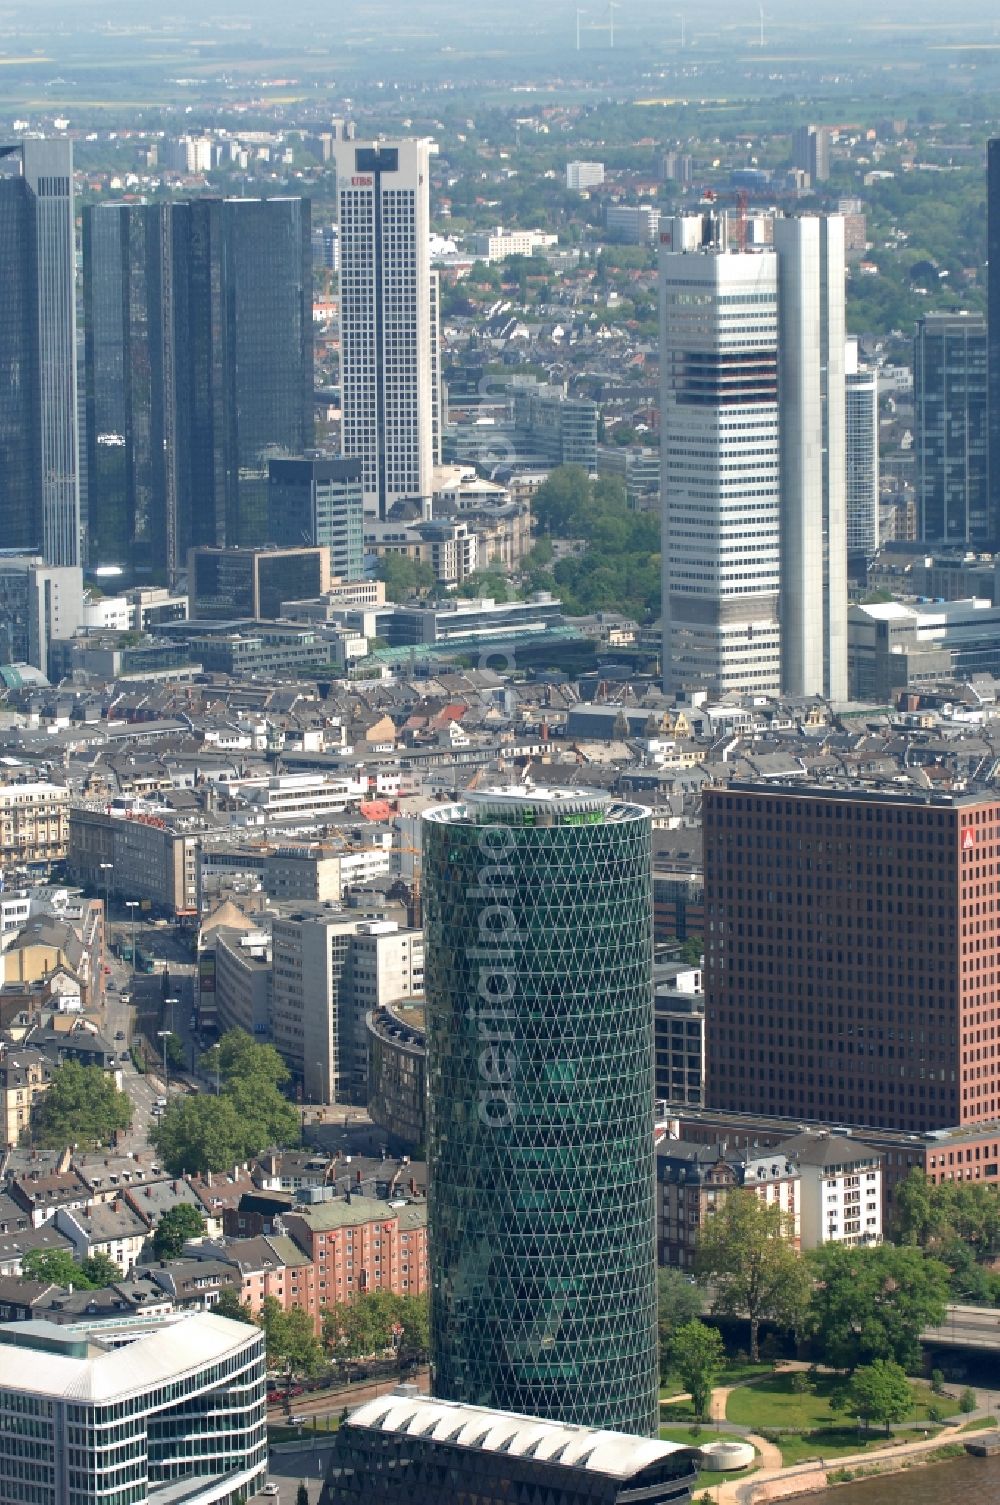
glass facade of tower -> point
(123, 252)
(199, 363)
(951, 421)
(39, 463)
(20, 444)
(538, 979)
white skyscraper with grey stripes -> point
(753, 459)
(390, 379)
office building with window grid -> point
(851, 963)
(39, 444)
(538, 989)
(171, 1411)
(753, 436)
(389, 345)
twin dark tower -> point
(538, 978)
(198, 339)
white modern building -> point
(862, 455)
(498, 244)
(167, 1411)
(580, 176)
(753, 457)
(389, 346)
(329, 967)
(840, 1188)
(39, 604)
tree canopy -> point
(175, 1227)
(698, 1356)
(374, 1321)
(873, 1303)
(201, 1133)
(746, 1251)
(82, 1106)
(880, 1392)
(58, 1267)
(292, 1344)
(678, 1302)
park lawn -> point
(691, 1437)
(733, 1374)
(979, 1424)
(772, 1402)
(840, 1442)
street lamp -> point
(164, 1035)
(217, 1053)
(133, 905)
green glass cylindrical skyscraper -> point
(538, 977)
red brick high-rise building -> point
(851, 961)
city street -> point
(145, 992)
(305, 1465)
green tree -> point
(413, 1316)
(678, 1303)
(880, 1392)
(241, 1057)
(360, 1327)
(291, 1341)
(746, 1252)
(229, 1305)
(698, 1357)
(200, 1133)
(55, 1267)
(175, 1227)
(874, 1303)
(267, 1118)
(692, 951)
(101, 1271)
(403, 577)
(82, 1106)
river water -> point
(958, 1481)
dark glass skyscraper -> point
(126, 258)
(199, 362)
(538, 978)
(39, 480)
(993, 331)
(950, 429)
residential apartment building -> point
(693, 1182)
(840, 1189)
(25, 1074)
(34, 828)
(390, 374)
(753, 488)
(168, 1409)
(358, 1245)
(851, 962)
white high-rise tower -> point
(388, 354)
(752, 441)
